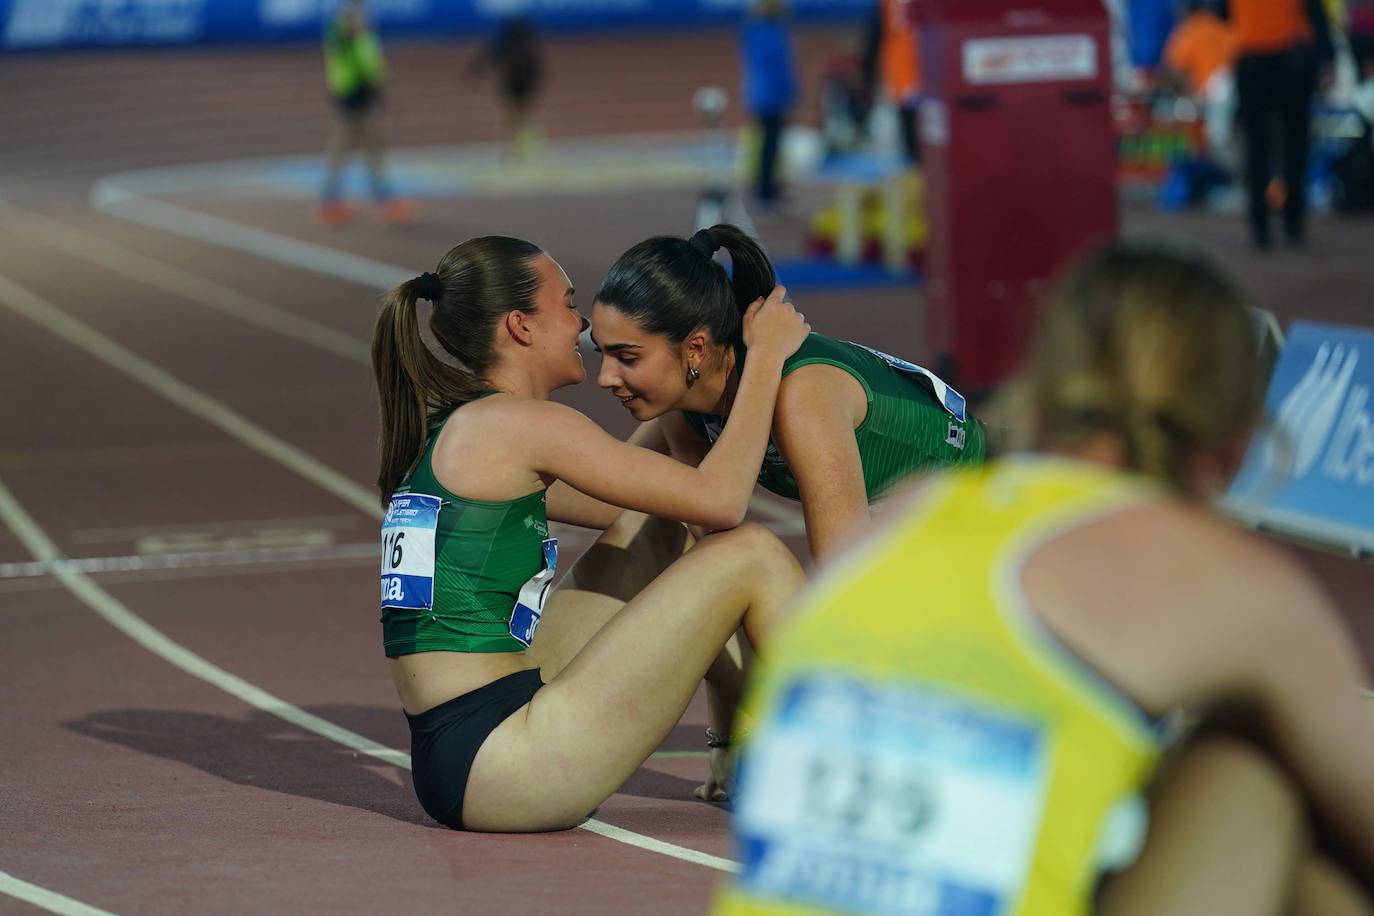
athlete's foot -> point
(398, 211)
(720, 773)
(335, 213)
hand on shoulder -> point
(773, 328)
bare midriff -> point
(426, 679)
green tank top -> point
(914, 421)
(453, 567)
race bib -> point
(529, 605)
(951, 400)
(888, 799)
(408, 551)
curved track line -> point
(181, 283)
(784, 518)
(51, 901)
(114, 612)
(113, 354)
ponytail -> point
(476, 283)
(671, 286)
(1154, 345)
(751, 273)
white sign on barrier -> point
(1311, 469)
(1038, 59)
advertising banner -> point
(56, 24)
(1310, 471)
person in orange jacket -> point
(1284, 50)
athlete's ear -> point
(696, 347)
(517, 325)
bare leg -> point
(374, 150)
(725, 682)
(621, 564)
(1323, 889)
(1226, 833)
(342, 137)
(583, 735)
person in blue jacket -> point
(770, 87)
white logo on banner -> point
(1306, 417)
(282, 14)
(45, 23)
(1030, 60)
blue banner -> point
(52, 24)
(1311, 470)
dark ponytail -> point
(475, 284)
(671, 286)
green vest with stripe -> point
(906, 428)
(483, 553)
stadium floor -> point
(196, 716)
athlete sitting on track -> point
(962, 714)
(475, 459)
(849, 422)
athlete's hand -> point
(773, 329)
(718, 786)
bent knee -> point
(754, 541)
(1245, 771)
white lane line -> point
(51, 901)
(785, 520)
(37, 542)
(181, 283)
(95, 343)
(126, 621)
(198, 559)
(249, 239)
(115, 355)
(324, 524)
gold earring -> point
(692, 376)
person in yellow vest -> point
(966, 713)
(355, 71)
(1284, 52)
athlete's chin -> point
(643, 411)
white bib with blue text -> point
(887, 798)
(408, 551)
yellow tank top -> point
(921, 743)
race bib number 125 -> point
(408, 551)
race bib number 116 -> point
(408, 551)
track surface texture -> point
(196, 425)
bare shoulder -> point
(1173, 536)
(1179, 561)
(820, 388)
(518, 417)
(1259, 569)
(489, 449)
(1170, 601)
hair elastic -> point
(428, 286)
(704, 242)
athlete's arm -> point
(567, 505)
(819, 407)
(683, 442)
(1309, 686)
(564, 444)
(649, 434)
(687, 446)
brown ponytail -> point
(1154, 345)
(475, 284)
